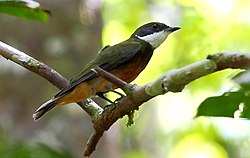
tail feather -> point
(44, 109)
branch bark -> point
(45, 72)
(173, 80)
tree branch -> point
(173, 80)
(113, 79)
(33, 65)
(46, 72)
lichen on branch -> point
(103, 119)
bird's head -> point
(154, 33)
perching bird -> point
(125, 60)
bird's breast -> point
(131, 69)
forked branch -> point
(173, 80)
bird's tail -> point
(44, 108)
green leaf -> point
(224, 106)
(24, 8)
(246, 109)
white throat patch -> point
(155, 39)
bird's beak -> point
(172, 29)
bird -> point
(125, 60)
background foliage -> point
(166, 126)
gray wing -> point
(119, 53)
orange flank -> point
(125, 60)
(85, 90)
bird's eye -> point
(155, 26)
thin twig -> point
(126, 87)
(174, 81)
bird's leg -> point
(121, 95)
(101, 95)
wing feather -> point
(119, 54)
